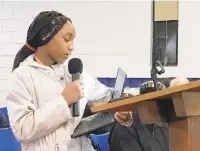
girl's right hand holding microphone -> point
(73, 92)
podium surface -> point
(179, 106)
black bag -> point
(3, 121)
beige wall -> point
(166, 10)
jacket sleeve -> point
(28, 122)
(97, 91)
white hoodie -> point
(40, 117)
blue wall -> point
(130, 82)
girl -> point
(42, 91)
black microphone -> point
(75, 67)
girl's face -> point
(60, 46)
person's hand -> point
(73, 92)
(125, 95)
(179, 81)
(124, 118)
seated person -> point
(141, 137)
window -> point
(165, 42)
(165, 32)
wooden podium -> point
(179, 106)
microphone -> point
(75, 67)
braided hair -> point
(44, 26)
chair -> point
(8, 141)
(100, 142)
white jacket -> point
(40, 117)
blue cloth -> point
(100, 140)
(8, 141)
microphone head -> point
(75, 65)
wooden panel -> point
(179, 104)
(187, 103)
(184, 135)
(195, 133)
(178, 136)
(148, 112)
(166, 10)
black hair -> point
(45, 25)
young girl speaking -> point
(42, 90)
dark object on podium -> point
(93, 122)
